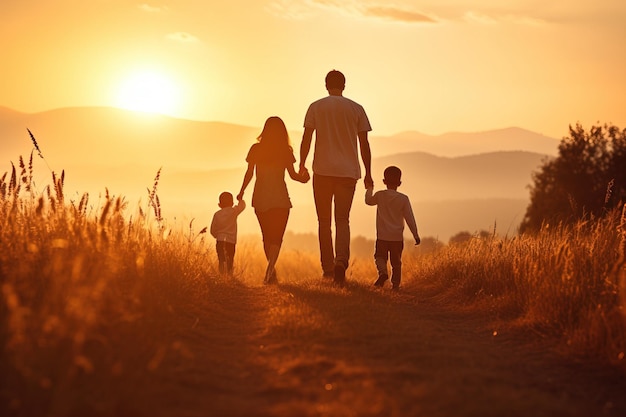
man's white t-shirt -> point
(337, 121)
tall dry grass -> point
(563, 282)
(94, 297)
(76, 280)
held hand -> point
(368, 181)
(304, 175)
(240, 196)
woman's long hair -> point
(274, 138)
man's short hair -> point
(393, 175)
(335, 79)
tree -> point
(460, 238)
(587, 178)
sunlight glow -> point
(148, 92)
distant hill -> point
(489, 175)
(459, 144)
(457, 181)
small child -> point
(394, 208)
(224, 230)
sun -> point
(150, 92)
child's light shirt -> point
(224, 224)
(393, 209)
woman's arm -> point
(246, 180)
(366, 156)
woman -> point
(271, 156)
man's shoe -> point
(340, 274)
(381, 281)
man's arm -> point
(370, 199)
(366, 156)
(305, 147)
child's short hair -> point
(226, 199)
(393, 175)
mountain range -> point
(456, 181)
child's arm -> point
(213, 228)
(241, 205)
(410, 221)
(370, 197)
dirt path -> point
(314, 350)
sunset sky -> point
(433, 66)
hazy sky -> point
(433, 66)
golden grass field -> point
(107, 310)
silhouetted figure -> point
(224, 230)
(341, 130)
(270, 199)
(393, 209)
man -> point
(339, 123)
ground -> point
(316, 350)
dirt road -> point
(315, 350)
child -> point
(394, 208)
(224, 230)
